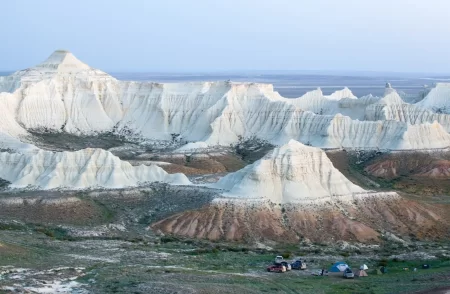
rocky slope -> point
(362, 222)
(419, 165)
(295, 192)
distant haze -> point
(206, 35)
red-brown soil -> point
(362, 222)
(200, 164)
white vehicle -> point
(348, 274)
(279, 259)
(287, 265)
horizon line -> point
(260, 71)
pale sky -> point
(216, 35)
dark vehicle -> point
(298, 265)
(276, 268)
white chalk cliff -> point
(293, 173)
(78, 170)
(64, 94)
(437, 99)
(392, 107)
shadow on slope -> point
(69, 142)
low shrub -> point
(383, 262)
(168, 239)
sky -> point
(227, 35)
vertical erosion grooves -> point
(363, 221)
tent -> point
(382, 270)
(339, 267)
(364, 267)
(362, 273)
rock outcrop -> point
(82, 169)
(294, 174)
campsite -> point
(396, 275)
(213, 266)
(338, 269)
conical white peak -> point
(292, 173)
(341, 94)
(63, 61)
(392, 98)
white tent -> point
(363, 267)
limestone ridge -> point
(63, 94)
(79, 170)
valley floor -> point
(50, 246)
(35, 262)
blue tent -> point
(339, 266)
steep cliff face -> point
(65, 95)
(71, 104)
(392, 107)
(437, 99)
(10, 130)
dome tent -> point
(339, 266)
(362, 271)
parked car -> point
(348, 274)
(279, 259)
(277, 268)
(298, 265)
(287, 265)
